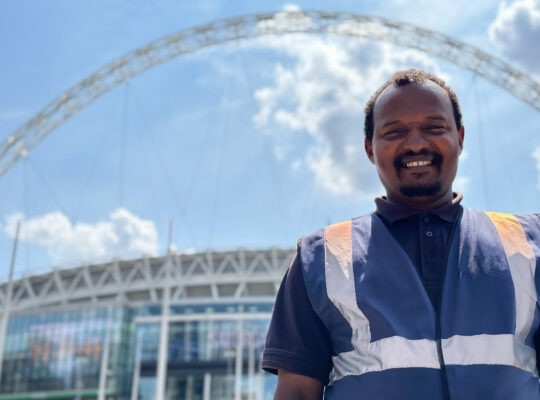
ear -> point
(368, 146)
(461, 134)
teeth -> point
(413, 164)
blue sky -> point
(247, 144)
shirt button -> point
(429, 234)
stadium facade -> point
(182, 326)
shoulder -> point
(316, 238)
(532, 218)
(319, 233)
(511, 227)
(311, 247)
(531, 226)
(529, 221)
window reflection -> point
(63, 350)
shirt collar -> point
(393, 211)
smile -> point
(413, 164)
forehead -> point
(411, 101)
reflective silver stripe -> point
(340, 286)
(387, 353)
(489, 349)
(398, 352)
(522, 263)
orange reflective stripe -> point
(511, 233)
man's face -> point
(415, 144)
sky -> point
(246, 144)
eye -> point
(396, 132)
(434, 128)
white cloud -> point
(289, 7)
(461, 184)
(122, 235)
(516, 31)
(536, 155)
(322, 94)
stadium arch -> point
(190, 40)
(167, 299)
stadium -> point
(182, 326)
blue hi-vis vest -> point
(389, 342)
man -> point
(422, 299)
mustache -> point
(399, 161)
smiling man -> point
(423, 298)
(414, 138)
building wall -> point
(73, 331)
(213, 352)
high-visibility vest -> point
(388, 340)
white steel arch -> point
(164, 49)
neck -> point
(423, 203)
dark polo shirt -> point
(424, 236)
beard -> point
(420, 190)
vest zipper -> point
(446, 388)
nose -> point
(415, 141)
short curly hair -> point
(406, 77)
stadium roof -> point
(208, 276)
